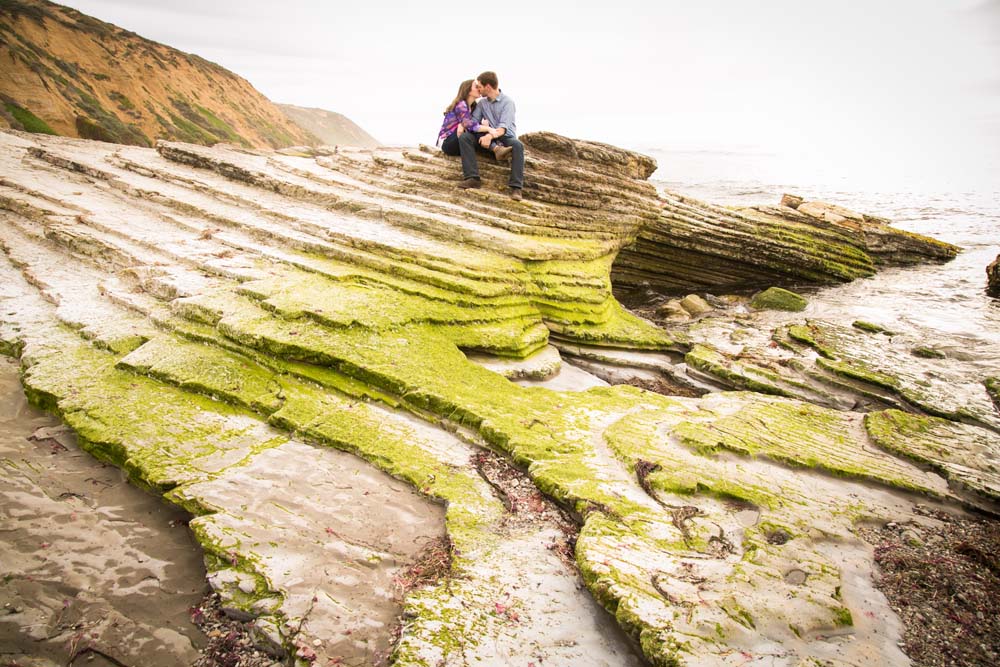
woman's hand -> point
(484, 123)
(460, 129)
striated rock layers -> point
(67, 73)
(216, 321)
(694, 244)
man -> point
(500, 137)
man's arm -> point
(495, 132)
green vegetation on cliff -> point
(29, 121)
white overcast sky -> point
(879, 81)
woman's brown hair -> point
(463, 93)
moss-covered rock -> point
(776, 298)
(927, 352)
(992, 385)
(965, 454)
(870, 327)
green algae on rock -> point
(870, 327)
(992, 385)
(965, 454)
(776, 298)
(877, 362)
(926, 352)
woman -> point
(458, 117)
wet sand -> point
(92, 570)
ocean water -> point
(943, 303)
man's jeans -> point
(468, 143)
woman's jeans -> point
(450, 145)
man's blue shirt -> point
(499, 112)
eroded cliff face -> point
(212, 319)
(67, 73)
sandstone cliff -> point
(73, 75)
(217, 321)
(330, 127)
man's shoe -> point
(515, 194)
(470, 183)
(502, 152)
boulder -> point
(673, 310)
(695, 305)
(776, 298)
(791, 201)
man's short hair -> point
(488, 79)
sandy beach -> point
(95, 571)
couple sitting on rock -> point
(481, 117)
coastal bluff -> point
(73, 75)
(364, 386)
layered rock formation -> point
(330, 127)
(694, 244)
(214, 321)
(67, 73)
